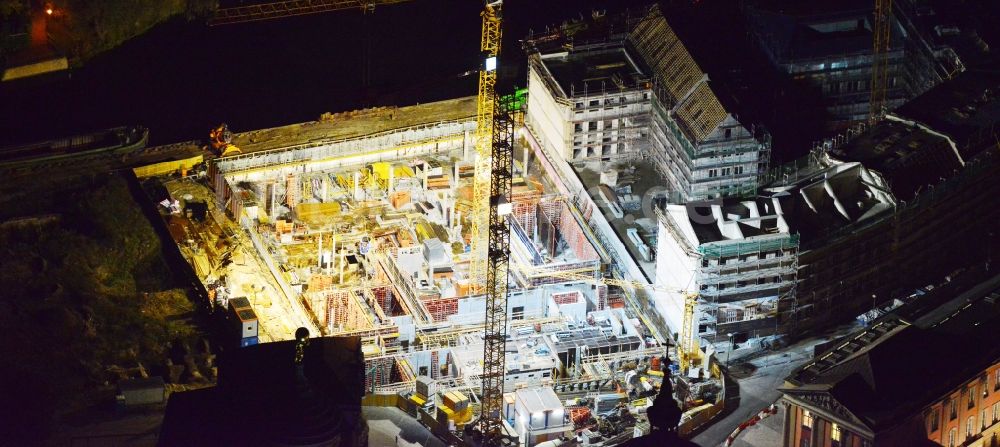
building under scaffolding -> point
(639, 94)
(740, 260)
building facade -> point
(829, 47)
(740, 261)
(872, 390)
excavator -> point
(221, 141)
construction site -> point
(367, 232)
(490, 301)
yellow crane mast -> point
(490, 46)
(880, 59)
(491, 235)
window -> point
(971, 391)
(996, 380)
(952, 410)
(726, 172)
(578, 127)
(996, 412)
(738, 170)
(951, 437)
(729, 133)
(579, 105)
(518, 312)
(807, 418)
(595, 103)
(835, 436)
(970, 427)
(592, 125)
(713, 173)
(933, 418)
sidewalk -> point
(765, 433)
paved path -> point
(764, 433)
(385, 424)
(761, 389)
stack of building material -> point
(442, 181)
(455, 408)
(282, 227)
(318, 213)
(425, 386)
(399, 198)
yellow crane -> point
(490, 47)
(490, 231)
(289, 8)
(880, 59)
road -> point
(761, 389)
(386, 424)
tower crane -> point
(490, 230)
(880, 59)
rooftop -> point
(965, 108)
(591, 71)
(539, 399)
(837, 196)
(909, 156)
(871, 372)
(686, 86)
(354, 124)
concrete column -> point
(787, 428)
(392, 178)
(357, 185)
(524, 163)
(465, 145)
(343, 260)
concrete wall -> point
(550, 119)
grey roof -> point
(908, 156)
(872, 372)
(537, 400)
(592, 71)
(833, 198)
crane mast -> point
(880, 59)
(490, 232)
(490, 46)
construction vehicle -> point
(221, 141)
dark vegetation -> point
(91, 27)
(85, 299)
(84, 28)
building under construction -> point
(631, 90)
(358, 224)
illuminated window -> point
(952, 410)
(807, 418)
(970, 427)
(951, 437)
(933, 418)
(996, 380)
(835, 435)
(972, 396)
